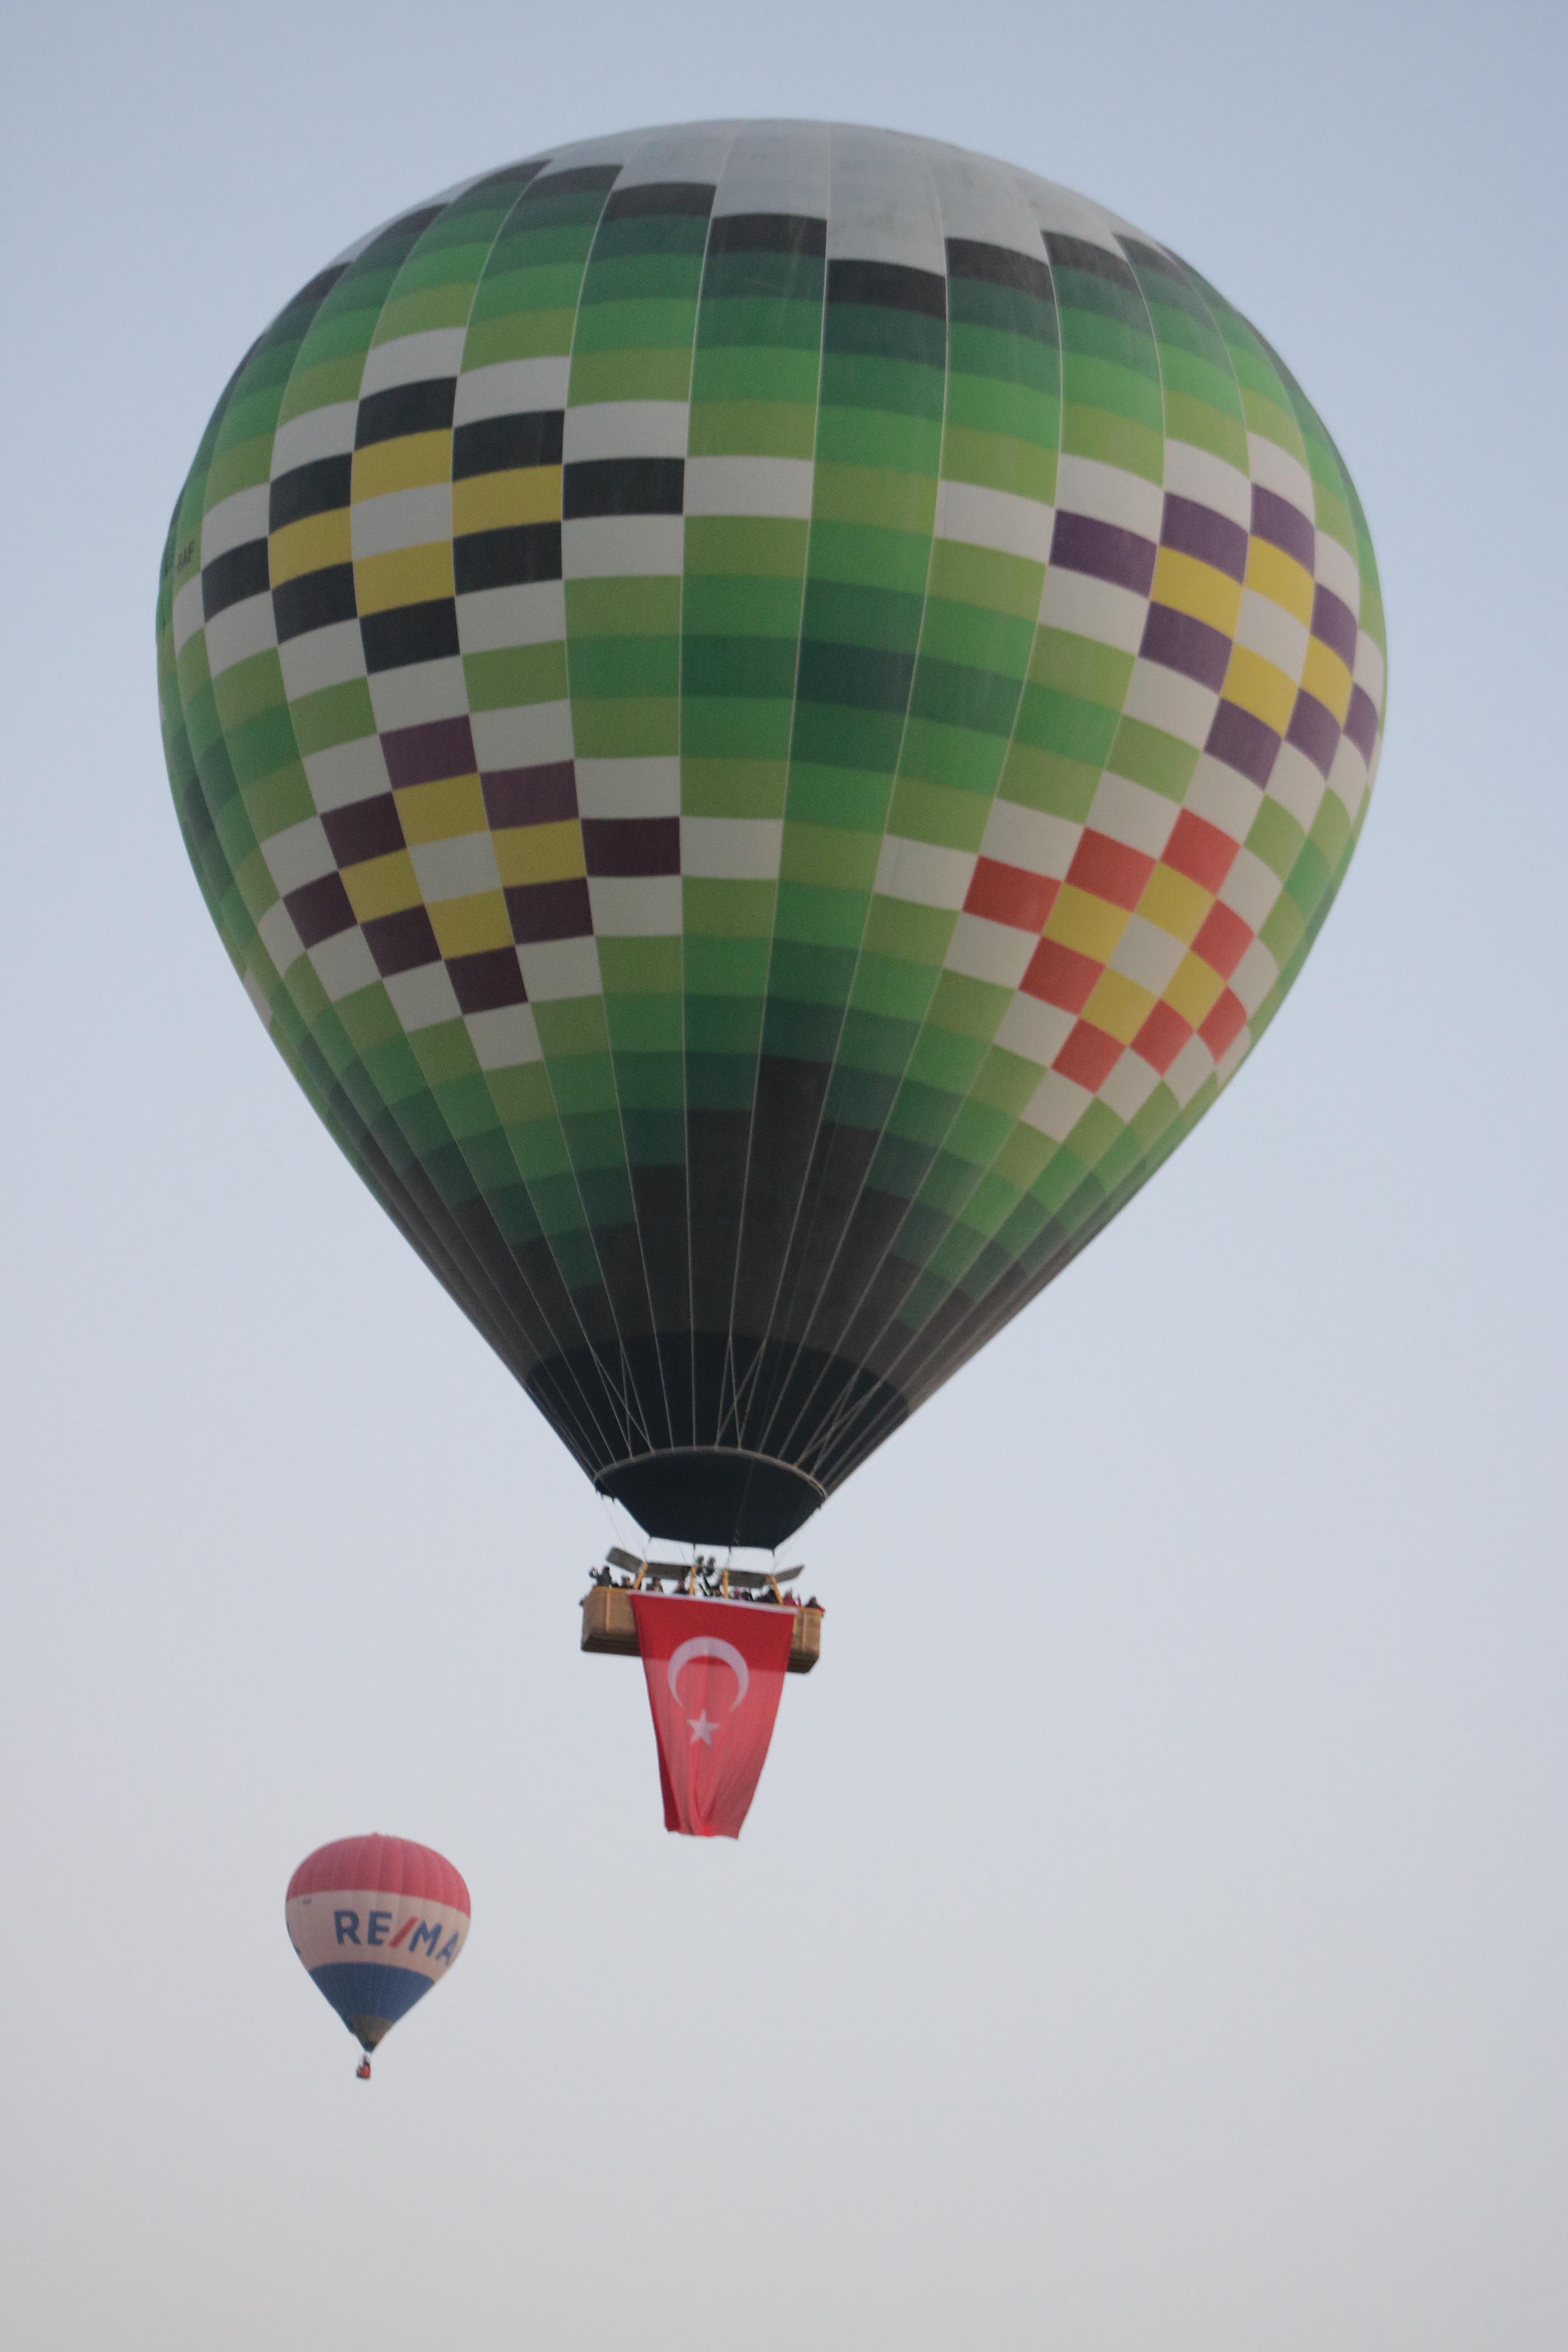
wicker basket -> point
(610, 1627)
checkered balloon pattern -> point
(766, 712)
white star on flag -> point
(702, 1728)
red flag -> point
(715, 1670)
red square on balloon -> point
(1010, 894)
(1222, 941)
(1200, 851)
(1110, 869)
(1061, 976)
(1161, 1037)
(1224, 1026)
(1088, 1056)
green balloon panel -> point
(767, 712)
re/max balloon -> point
(767, 712)
(376, 1921)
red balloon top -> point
(381, 1865)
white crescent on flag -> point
(709, 1645)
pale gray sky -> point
(1149, 1936)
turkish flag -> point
(715, 1670)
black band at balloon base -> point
(714, 1494)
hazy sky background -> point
(1150, 1934)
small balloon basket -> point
(609, 1625)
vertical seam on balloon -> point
(478, 1279)
(778, 1380)
(561, 1360)
(729, 1414)
(781, 1380)
(618, 1386)
(320, 1084)
(627, 1374)
(566, 1288)
(989, 1316)
(1199, 289)
(781, 1383)
(842, 1412)
(544, 1319)
(463, 1274)
(992, 1321)
(1299, 404)
(912, 1345)
(681, 796)
(984, 1320)
(845, 1411)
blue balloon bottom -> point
(368, 1998)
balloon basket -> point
(609, 1629)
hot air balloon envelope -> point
(376, 1921)
(767, 711)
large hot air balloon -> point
(376, 1921)
(767, 712)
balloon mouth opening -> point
(367, 2030)
(713, 1494)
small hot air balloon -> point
(377, 1921)
(767, 712)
